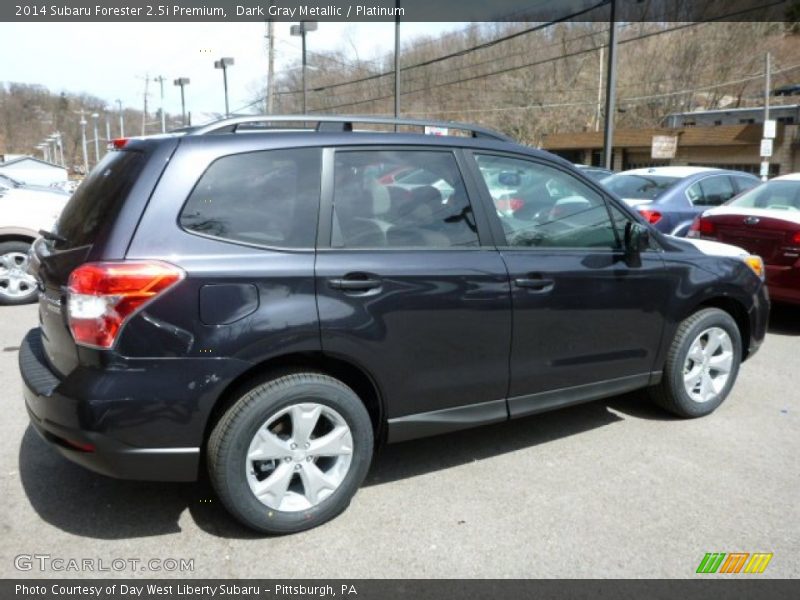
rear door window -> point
(267, 198)
(425, 207)
(776, 194)
(98, 199)
(745, 183)
(716, 190)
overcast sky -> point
(110, 60)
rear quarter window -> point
(267, 198)
(98, 199)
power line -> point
(543, 61)
(457, 53)
(629, 100)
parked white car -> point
(23, 212)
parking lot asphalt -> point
(615, 488)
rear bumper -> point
(111, 458)
(97, 417)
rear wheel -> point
(290, 453)
(702, 364)
(17, 286)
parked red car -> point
(764, 221)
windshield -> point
(639, 187)
(775, 195)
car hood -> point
(713, 248)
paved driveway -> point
(610, 489)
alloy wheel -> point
(299, 457)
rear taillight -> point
(509, 204)
(102, 296)
(795, 239)
(118, 143)
(652, 216)
(701, 227)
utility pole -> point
(397, 62)
(611, 89)
(160, 79)
(121, 120)
(599, 112)
(270, 66)
(83, 144)
(144, 114)
(767, 85)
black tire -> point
(5, 300)
(671, 393)
(230, 439)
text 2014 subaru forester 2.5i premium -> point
(270, 303)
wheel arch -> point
(348, 372)
(16, 234)
(736, 309)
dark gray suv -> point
(271, 298)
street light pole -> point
(223, 64)
(108, 133)
(160, 79)
(51, 139)
(60, 148)
(96, 116)
(270, 66)
(302, 29)
(397, 62)
(121, 120)
(182, 81)
(83, 144)
(611, 89)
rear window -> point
(98, 199)
(639, 187)
(268, 198)
(775, 195)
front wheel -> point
(290, 453)
(702, 364)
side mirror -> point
(637, 238)
(509, 179)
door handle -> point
(354, 283)
(537, 284)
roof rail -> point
(341, 123)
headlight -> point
(755, 263)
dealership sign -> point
(664, 146)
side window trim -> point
(494, 221)
(326, 214)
